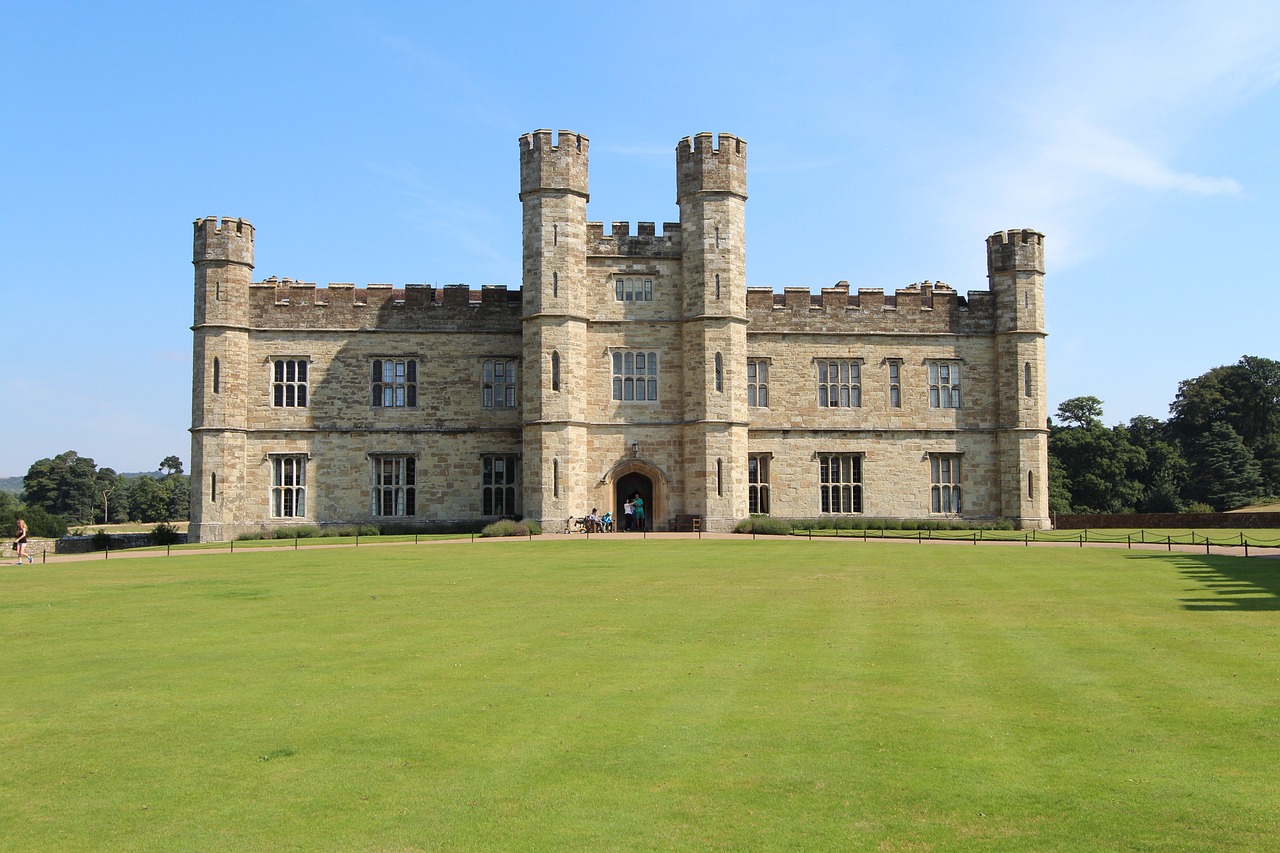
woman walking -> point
(20, 544)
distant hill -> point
(13, 485)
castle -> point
(626, 363)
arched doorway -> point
(628, 485)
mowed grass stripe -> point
(640, 695)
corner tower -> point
(222, 253)
(553, 194)
(711, 189)
(1015, 272)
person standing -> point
(20, 544)
(628, 515)
(638, 505)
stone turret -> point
(553, 193)
(711, 189)
(222, 253)
(1015, 271)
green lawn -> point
(640, 695)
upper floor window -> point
(840, 482)
(395, 382)
(498, 484)
(1026, 379)
(758, 383)
(719, 373)
(944, 384)
(555, 371)
(635, 375)
(288, 486)
(944, 471)
(840, 383)
(895, 385)
(633, 289)
(758, 483)
(289, 382)
(499, 383)
(395, 481)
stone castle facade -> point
(627, 362)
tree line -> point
(1218, 450)
(70, 490)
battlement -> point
(646, 242)
(227, 239)
(559, 165)
(285, 303)
(923, 307)
(702, 167)
(1016, 249)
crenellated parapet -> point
(225, 239)
(702, 166)
(1018, 249)
(645, 243)
(925, 307)
(288, 304)
(547, 164)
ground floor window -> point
(758, 483)
(499, 489)
(395, 481)
(840, 482)
(945, 472)
(288, 486)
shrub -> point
(1197, 506)
(165, 534)
(765, 525)
(101, 540)
(510, 527)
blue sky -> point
(376, 142)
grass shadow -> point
(1231, 583)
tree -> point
(1224, 473)
(1081, 412)
(65, 486)
(1166, 471)
(171, 465)
(1097, 468)
(1244, 396)
(147, 499)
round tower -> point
(553, 194)
(223, 259)
(711, 189)
(1015, 271)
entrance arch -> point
(632, 478)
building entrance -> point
(627, 486)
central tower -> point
(711, 189)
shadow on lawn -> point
(1232, 583)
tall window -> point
(499, 485)
(945, 472)
(289, 382)
(895, 385)
(944, 385)
(758, 383)
(395, 382)
(288, 486)
(635, 375)
(719, 373)
(217, 375)
(499, 383)
(395, 481)
(555, 371)
(758, 483)
(840, 482)
(631, 289)
(1026, 379)
(839, 383)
